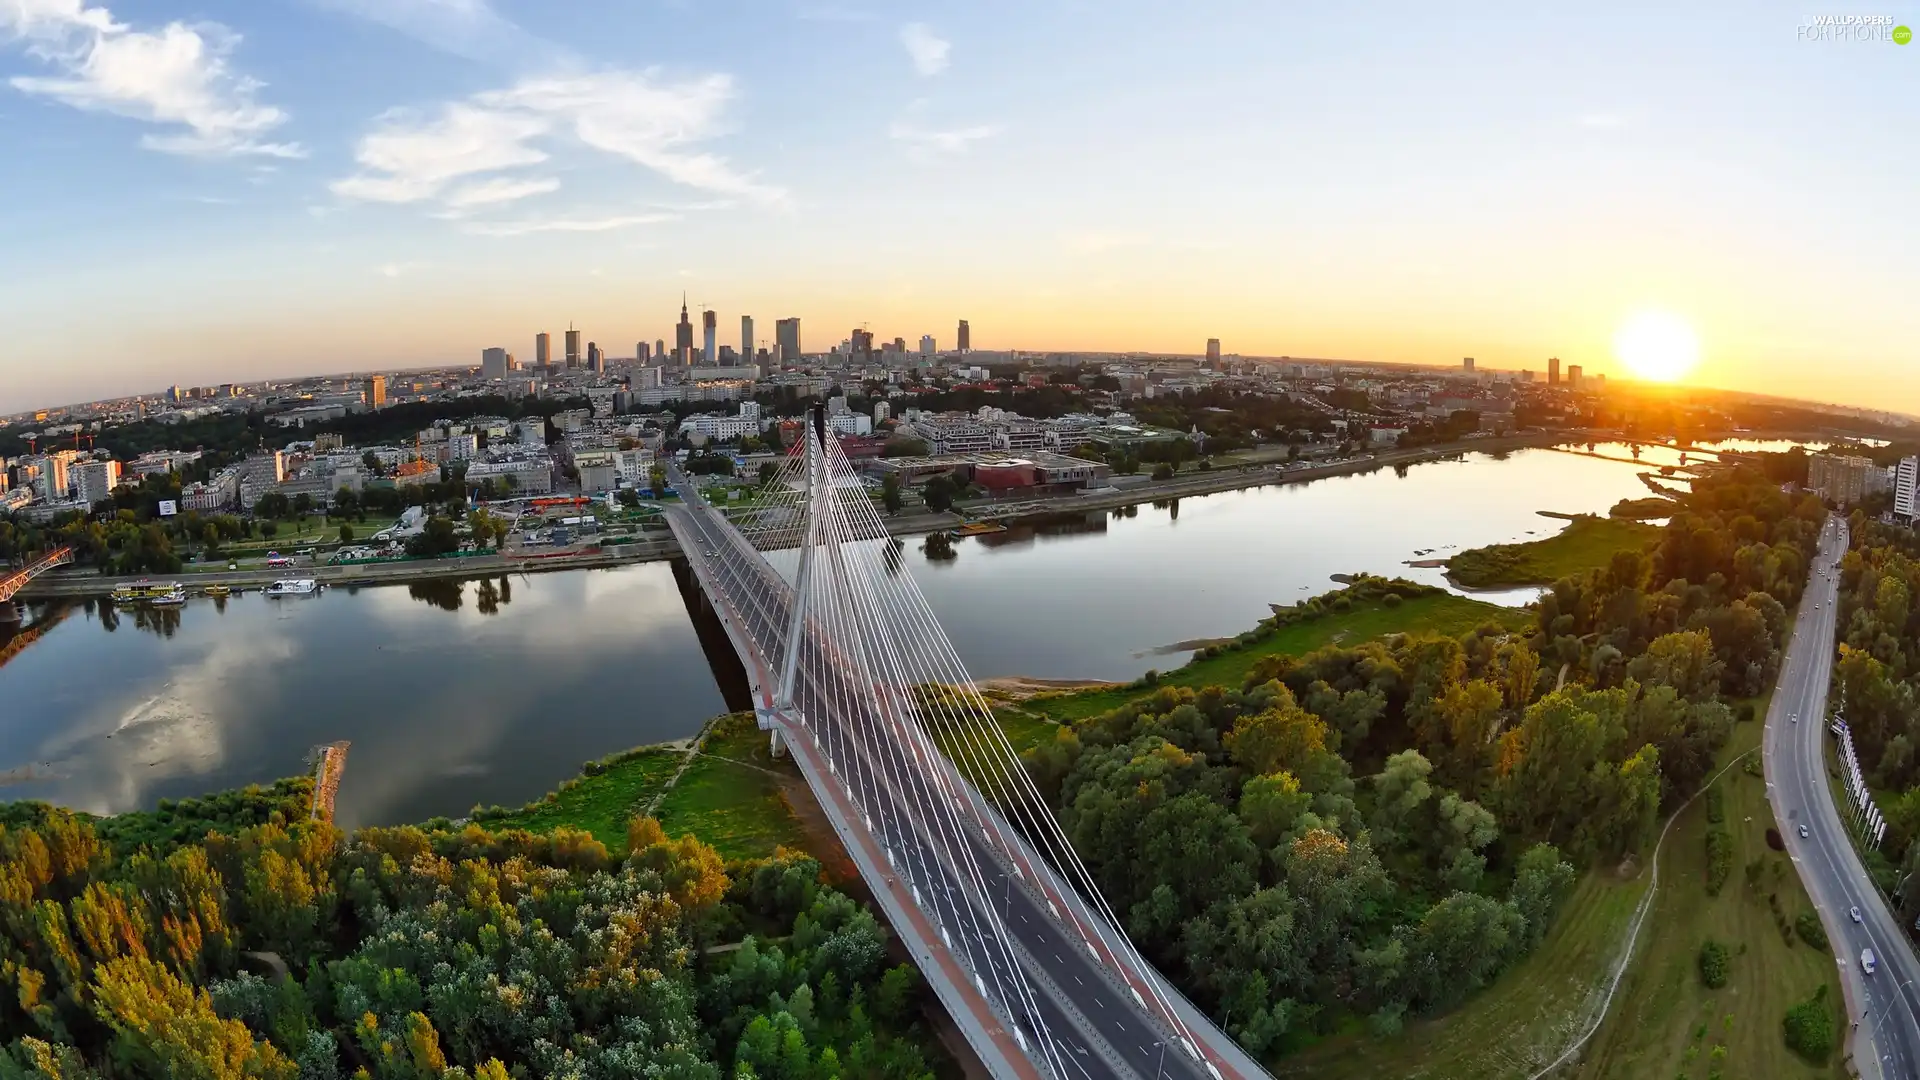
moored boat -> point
(293, 587)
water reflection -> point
(447, 703)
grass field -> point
(1510, 1029)
(1656, 1026)
(1438, 613)
(602, 804)
(1586, 543)
(730, 795)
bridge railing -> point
(17, 580)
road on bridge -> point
(1098, 1030)
(1883, 1008)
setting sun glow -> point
(1657, 346)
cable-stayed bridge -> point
(851, 672)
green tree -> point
(890, 493)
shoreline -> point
(1216, 481)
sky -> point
(200, 191)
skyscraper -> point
(543, 350)
(786, 340)
(965, 337)
(595, 362)
(1466, 364)
(746, 337)
(642, 352)
(494, 363)
(1573, 377)
(683, 336)
(573, 347)
(377, 391)
(926, 345)
(710, 326)
(1553, 371)
(1906, 488)
(660, 349)
(1213, 352)
(862, 341)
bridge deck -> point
(1089, 998)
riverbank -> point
(1370, 608)
(1587, 542)
(1136, 491)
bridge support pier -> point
(774, 746)
(9, 613)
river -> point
(457, 693)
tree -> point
(1163, 471)
(274, 504)
(890, 493)
(938, 494)
(346, 533)
(1280, 737)
(436, 538)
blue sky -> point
(212, 190)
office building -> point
(95, 480)
(1906, 489)
(786, 341)
(1553, 371)
(926, 345)
(543, 350)
(494, 363)
(573, 347)
(660, 350)
(683, 336)
(1842, 479)
(1213, 352)
(881, 412)
(1573, 377)
(642, 352)
(596, 362)
(746, 338)
(964, 339)
(710, 329)
(862, 342)
(1466, 365)
(377, 392)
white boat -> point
(293, 587)
(173, 597)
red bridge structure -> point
(12, 583)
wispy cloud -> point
(413, 156)
(575, 225)
(928, 50)
(498, 191)
(176, 76)
(924, 142)
(469, 28)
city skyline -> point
(242, 210)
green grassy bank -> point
(1585, 543)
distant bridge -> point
(11, 584)
(850, 670)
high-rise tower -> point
(710, 325)
(965, 336)
(786, 340)
(573, 347)
(683, 336)
(746, 338)
(543, 350)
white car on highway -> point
(1867, 963)
(1803, 832)
(1853, 913)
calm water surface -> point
(491, 692)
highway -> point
(1883, 1008)
(953, 870)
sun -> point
(1657, 346)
